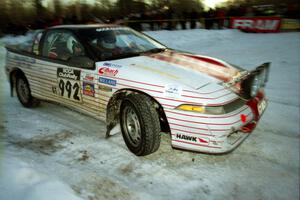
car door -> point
(73, 75)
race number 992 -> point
(69, 89)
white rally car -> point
(121, 76)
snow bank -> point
(20, 181)
(12, 40)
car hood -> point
(191, 70)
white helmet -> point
(108, 40)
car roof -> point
(83, 26)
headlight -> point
(260, 78)
(256, 85)
(255, 81)
(211, 110)
(264, 73)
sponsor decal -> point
(185, 137)
(111, 65)
(107, 81)
(68, 73)
(69, 84)
(89, 78)
(106, 71)
(173, 91)
(202, 140)
(111, 28)
(256, 24)
(261, 106)
(88, 89)
(105, 88)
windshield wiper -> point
(133, 54)
(120, 56)
(154, 50)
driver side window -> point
(61, 45)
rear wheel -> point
(140, 124)
(24, 93)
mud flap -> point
(112, 114)
(108, 129)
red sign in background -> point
(256, 24)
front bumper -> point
(211, 133)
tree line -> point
(16, 17)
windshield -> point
(120, 42)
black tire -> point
(24, 92)
(138, 115)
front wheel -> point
(24, 93)
(140, 124)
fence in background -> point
(249, 24)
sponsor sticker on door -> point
(173, 91)
(88, 89)
(107, 81)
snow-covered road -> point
(50, 150)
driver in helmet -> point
(107, 44)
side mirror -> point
(81, 62)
